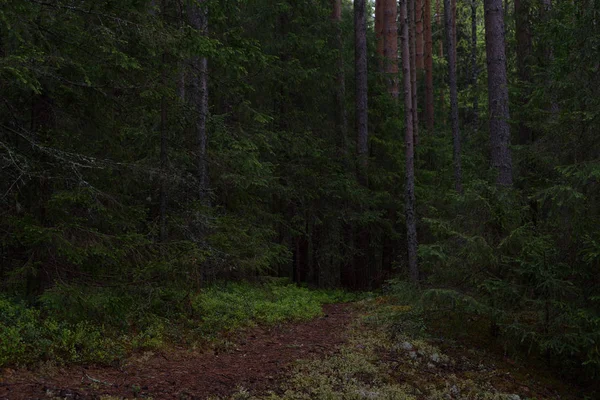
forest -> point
(174, 171)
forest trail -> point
(255, 361)
(347, 353)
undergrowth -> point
(76, 324)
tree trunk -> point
(453, 94)
(162, 208)
(498, 92)
(440, 27)
(454, 36)
(379, 28)
(524, 50)
(549, 56)
(420, 43)
(360, 58)
(390, 31)
(163, 156)
(429, 110)
(198, 20)
(474, 68)
(410, 201)
(413, 69)
(182, 66)
(340, 91)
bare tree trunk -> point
(429, 110)
(360, 55)
(410, 201)
(498, 92)
(420, 43)
(440, 27)
(379, 28)
(390, 31)
(163, 159)
(182, 66)
(454, 36)
(198, 20)
(413, 69)
(524, 50)
(474, 68)
(549, 55)
(162, 208)
(340, 93)
(453, 95)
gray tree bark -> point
(474, 68)
(198, 19)
(412, 15)
(340, 91)
(360, 55)
(524, 50)
(410, 200)
(451, 47)
(390, 47)
(429, 100)
(498, 92)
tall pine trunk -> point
(498, 92)
(410, 200)
(474, 68)
(379, 28)
(449, 23)
(429, 109)
(524, 50)
(413, 67)
(360, 59)
(420, 43)
(390, 32)
(440, 27)
(340, 90)
(198, 19)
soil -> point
(256, 361)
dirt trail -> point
(256, 362)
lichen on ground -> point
(373, 365)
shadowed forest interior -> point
(165, 161)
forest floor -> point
(338, 356)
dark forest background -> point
(150, 149)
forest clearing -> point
(300, 199)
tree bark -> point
(360, 55)
(453, 95)
(498, 92)
(524, 50)
(429, 109)
(440, 27)
(198, 20)
(413, 68)
(163, 157)
(410, 201)
(420, 43)
(162, 207)
(390, 31)
(455, 37)
(340, 91)
(474, 68)
(549, 56)
(379, 28)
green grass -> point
(76, 324)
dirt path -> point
(255, 362)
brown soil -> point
(256, 362)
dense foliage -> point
(90, 87)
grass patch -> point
(76, 324)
